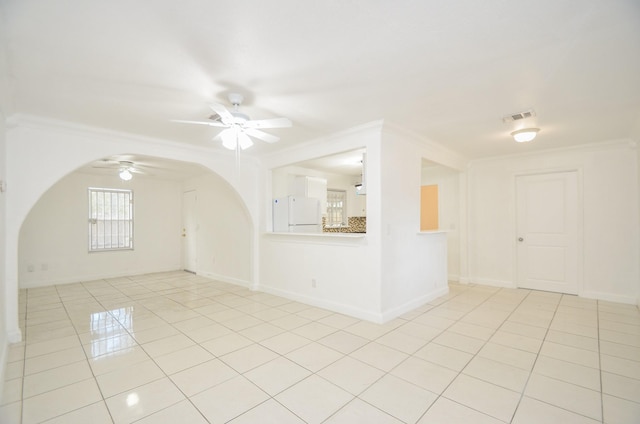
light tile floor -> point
(175, 347)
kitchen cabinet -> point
(306, 186)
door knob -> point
(520, 239)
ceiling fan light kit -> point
(524, 135)
(125, 175)
(239, 128)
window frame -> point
(330, 221)
(124, 219)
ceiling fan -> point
(239, 128)
(125, 168)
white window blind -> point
(336, 208)
(110, 219)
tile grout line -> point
(458, 373)
(188, 398)
(151, 358)
(24, 353)
(84, 353)
(170, 294)
(535, 361)
(476, 354)
(563, 360)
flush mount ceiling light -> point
(525, 134)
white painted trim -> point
(226, 279)
(413, 304)
(608, 297)
(325, 145)
(325, 304)
(430, 150)
(48, 124)
(492, 282)
(14, 336)
(357, 312)
(455, 278)
(4, 350)
(341, 239)
(590, 147)
(92, 277)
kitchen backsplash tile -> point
(357, 224)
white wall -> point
(224, 249)
(413, 265)
(4, 340)
(5, 293)
(610, 230)
(54, 236)
(345, 267)
(447, 180)
(385, 273)
(55, 148)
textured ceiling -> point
(448, 71)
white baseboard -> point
(413, 304)
(453, 277)
(372, 316)
(225, 279)
(4, 352)
(90, 277)
(14, 336)
(493, 283)
(325, 304)
(608, 297)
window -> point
(110, 219)
(336, 208)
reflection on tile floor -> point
(175, 347)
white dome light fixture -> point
(525, 134)
(125, 175)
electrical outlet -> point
(314, 283)
(31, 268)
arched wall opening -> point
(54, 237)
(44, 153)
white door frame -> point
(186, 260)
(579, 223)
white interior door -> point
(547, 232)
(189, 231)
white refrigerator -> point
(294, 214)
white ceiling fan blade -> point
(105, 163)
(209, 123)
(269, 123)
(262, 135)
(229, 139)
(137, 171)
(225, 115)
(244, 140)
